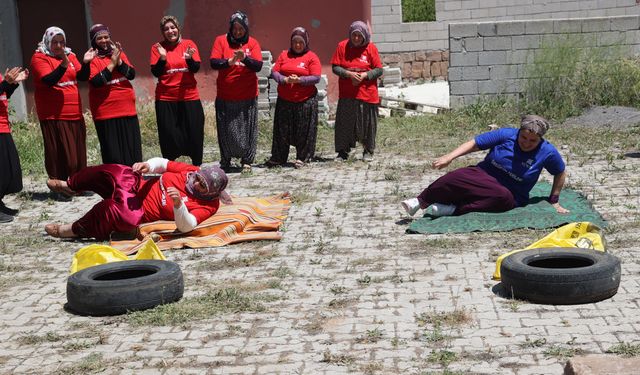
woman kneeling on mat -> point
(502, 181)
(183, 192)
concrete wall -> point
(491, 58)
(391, 35)
(11, 53)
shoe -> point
(298, 164)
(411, 206)
(6, 210)
(342, 156)
(59, 230)
(441, 209)
(367, 156)
(59, 186)
(4, 218)
(246, 168)
(60, 197)
(272, 164)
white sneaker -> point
(441, 209)
(411, 206)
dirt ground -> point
(344, 291)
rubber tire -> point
(119, 287)
(583, 283)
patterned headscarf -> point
(242, 19)
(362, 28)
(535, 124)
(215, 181)
(300, 32)
(96, 30)
(45, 45)
(164, 20)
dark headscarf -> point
(242, 19)
(362, 28)
(93, 33)
(174, 21)
(300, 32)
(535, 124)
(215, 180)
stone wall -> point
(391, 35)
(491, 58)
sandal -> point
(59, 230)
(298, 164)
(246, 168)
(60, 186)
(272, 163)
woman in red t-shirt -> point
(296, 118)
(183, 193)
(10, 171)
(357, 63)
(112, 99)
(56, 72)
(179, 113)
(237, 58)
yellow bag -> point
(94, 255)
(584, 235)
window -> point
(418, 10)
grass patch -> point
(231, 263)
(31, 339)
(91, 364)
(337, 359)
(625, 349)
(221, 301)
(453, 318)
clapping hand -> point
(116, 54)
(189, 54)
(141, 167)
(161, 50)
(292, 79)
(16, 75)
(89, 55)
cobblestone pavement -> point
(349, 291)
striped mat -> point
(247, 219)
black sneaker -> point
(342, 156)
(4, 218)
(6, 210)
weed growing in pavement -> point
(371, 368)
(302, 197)
(230, 263)
(32, 339)
(337, 359)
(282, 272)
(455, 318)
(443, 357)
(625, 349)
(339, 303)
(92, 363)
(336, 289)
(371, 336)
(78, 345)
(212, 303)
(561, 352)
(528, 343)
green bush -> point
(418, 10)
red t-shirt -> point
(237, 82)
(176, 83)
(159, 206)
(62, 100)
(359, 59)
(115, 99)
(5, 127)
(305, 65)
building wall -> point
(9, 42)
(491, 58)
(397, 41)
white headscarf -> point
(45, 45)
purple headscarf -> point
(243, 20)
(96, 30)
(215, 181)
(362, 28)
(302, 33)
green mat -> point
(538, 214)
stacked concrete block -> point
(391, 77)
(323, 101)
(264, 106)
(488, 59)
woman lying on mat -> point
(500, 182)
(183, 192)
